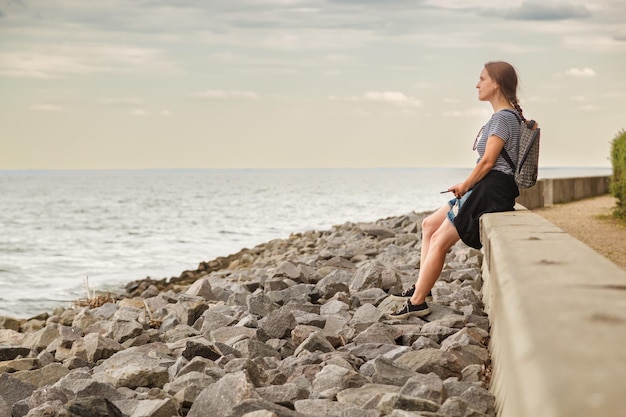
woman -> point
(489, 188)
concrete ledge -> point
(562, 190)
(558, 315)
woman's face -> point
(487, 87)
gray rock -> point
(304, 293)
(458, 407)
(201, 288)
(387, 372)
(427, 360)
(436, 332)
(370, 351)
(260, 413)
(315, 342)
(197, 364)
(148, 408)
(47, 375)
(187, 311)
(122, 331)
(13, 390)
(423, 342)
(248, 406)
(197, 346)
(9, 337)
(336, 308)
(143, 366)
(260, 304)
(427, 386)
(366, 276)
(213, 320)
(473, 373)
(358, 397)
(9, 323)
(90, 406)
(220, 398)
(372, 296)
(364, 317)
(480, 399)
(40, 339)
(377, 333)
(229, 335)
(289, 270)
(409, 403)
(94, 347)
(309, 319)
(285, 395)
(377, 231)
(255, 349)
(320, 407)
(332, 379)
(278, 324)
(256, 374)
(68, 335)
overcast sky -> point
(299, 83)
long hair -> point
(505, 76)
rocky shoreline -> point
(293, 327)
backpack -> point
(527, 166)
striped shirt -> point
(505, 125)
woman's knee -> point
(444, 237)
(430, 224)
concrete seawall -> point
(561, 190)
(558, 315)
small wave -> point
(228, 232)
(231, 232)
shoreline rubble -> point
(293, 327)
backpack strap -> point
(504, 153)
(508, 159)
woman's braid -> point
(518, 108)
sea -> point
(62, 232)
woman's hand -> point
(459, 189)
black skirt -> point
(496, 192)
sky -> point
(158, 84)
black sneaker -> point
(408, 293)
(410, 310)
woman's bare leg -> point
(433, 257)
(430, 225)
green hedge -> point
(618, 181)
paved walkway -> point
(589, 221)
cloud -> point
(589, 108)
(597, 43)
(223, 94)
(41, 65)
(139, 112)
(165, 112)
(580, 72)
(578, 99)
(541, 99)
(483, 112)
(391, 97)
(543, 11)
(46, 107)
(304, 10)
(121, 101)
(60, 61)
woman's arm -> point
(492, 150)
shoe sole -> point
(420, 313)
